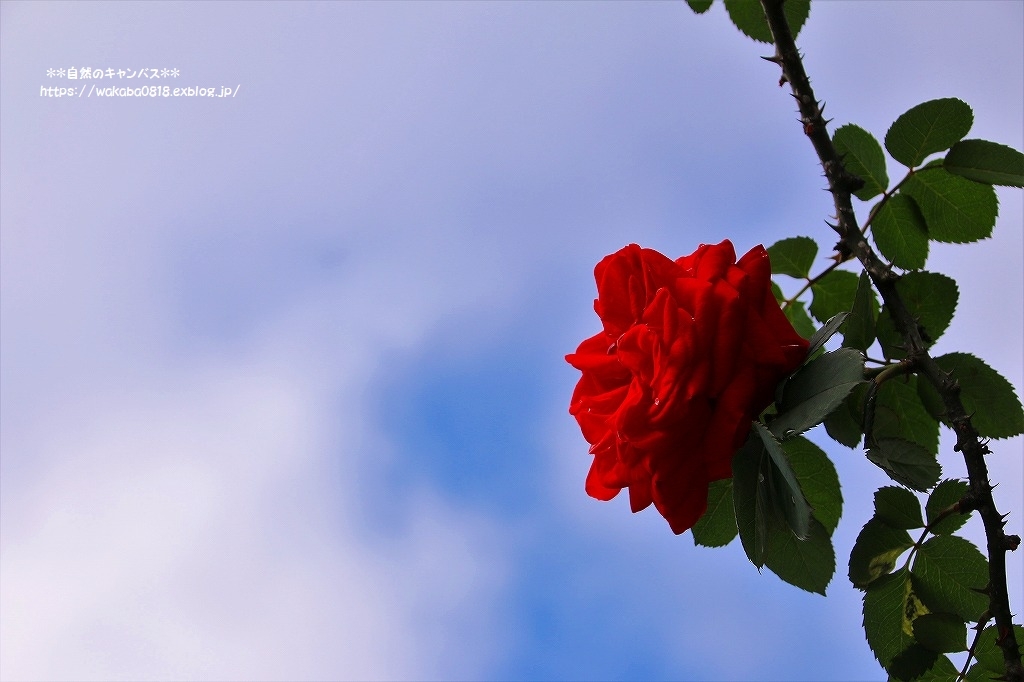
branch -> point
(852, 243)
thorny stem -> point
(852, 243)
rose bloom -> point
(690, 355)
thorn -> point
(987, 590)
(783, 80)
(774, 59)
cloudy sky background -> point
(283, 391)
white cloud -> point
(193, 529)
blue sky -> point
(283, 391)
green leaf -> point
(890, 608)
(955, 209)
(913, 663)
(988, 653)
(945, 495)
(930, 299)
(875, 551)
(898, 508)
(845, 424)
(717, 527)
(900, 232)
(797, 315)
(928, 128)
(978, 673)
(818, 480)
(808, 564)
(859, 328)
(756, 517)
(816, 389)
(906, 463)
(749, 17)
(941, 632)
(947, 570)
(699, 6)
(989, 398)
(793, 256)
(821, 337)
(900, 414)
(862, 156)
(988, 162)
(833, 294)
(777, 292)
(783, 486)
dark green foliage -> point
(833, 294)
(945, 495)
(928, 128)
(717, 527)
(931, 300)
(948, 572)
(876, 550)
(989, 398)
(955, 209)
(988, 162)
(898, 508)
(793, 256)
(699, 6)
(900, 414)
(906, 462)
(900, 233)
(862, 156)
(748, 16)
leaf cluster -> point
(915, 614)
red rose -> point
(690, 355)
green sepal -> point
(815, 390)
(766, 496)
(955, 209)
(859, 328)
(786, 492)
(793, 256)
(863, 157)
(988, 162)
(875, 551)
(818, 480)
(987, 397)
(948, 571)
(927, 128)
(827, 331)
(901, 233)
(845, 424)
(717, 527)
(748, 16)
